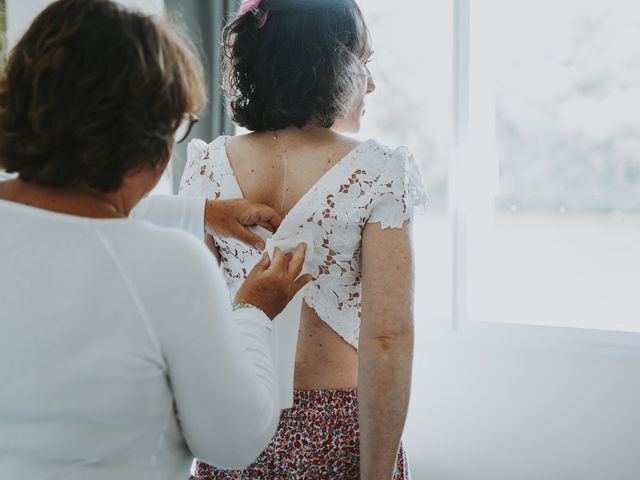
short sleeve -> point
(398, 190)
(198, 177)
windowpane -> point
(561, 245)
(412, 68)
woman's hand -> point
(230, 218)
(274, 282)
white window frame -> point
(461, 174)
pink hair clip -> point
(253, 6)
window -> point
(520, 115)
(412, 106)
(550, 164)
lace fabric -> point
(371, 184)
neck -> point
(80, 201)
(293, 134)
(113, 203)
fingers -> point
(273, 283)
(297, 260)
(248, 237)
(301, 282)
(267, 226)
(289, 263)
(278, 261)
(264, 216)
(263, 264)
(269, 216)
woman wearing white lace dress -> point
(297, 75)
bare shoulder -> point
(332, 150)
(240, 140)
(247, 146)
(347, 141)
(250, 140)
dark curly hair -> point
(92, 92)
(302, 67)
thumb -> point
(246, 236)
(301, 281)
(263, 264)
(264, 216)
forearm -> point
(252, 402)
(384, 381)
(224, 384)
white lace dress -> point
(372, 183)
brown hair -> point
(92, 92)
(302, 67)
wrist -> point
(250, 301)
(235, 306)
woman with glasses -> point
(120, 355)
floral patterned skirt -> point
(317, 438)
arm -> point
(184, 213)
(386, 347)
(202, 217)
(219, 362)
(223, 216)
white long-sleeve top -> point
(184, 213)
(119, 354)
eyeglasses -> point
(184, 129)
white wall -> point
(487, 409)
(20, 13)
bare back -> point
(278, 170)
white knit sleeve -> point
(219, 362)
(198, 177)
(184, 213)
